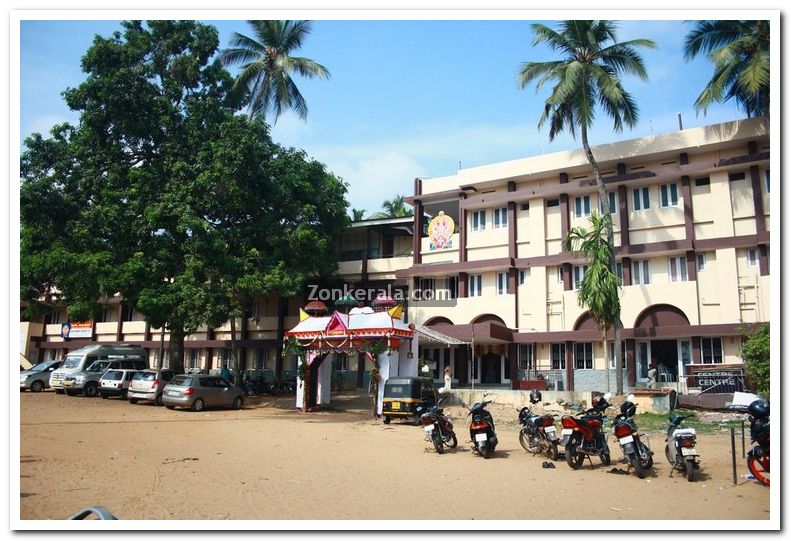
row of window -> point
(641, 200)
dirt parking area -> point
(269, 461)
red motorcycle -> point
(584, 435)
(758, 457)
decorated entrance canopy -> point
(341, 332)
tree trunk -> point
(282, 308)
(606, 360)
(604, 205)
(161, 346)
(177, 348)
(234, 355)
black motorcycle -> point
(680, 447)
(438, 428)
(584, 435)
(538, 433)
(482, 433)
(636, 451)
(758, 457)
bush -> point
(756, 355)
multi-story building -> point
(691, 222)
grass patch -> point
(649, 422)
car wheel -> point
(37, 387)
(91, 390)
(104, 396)
(59, 391)
(71, 393)
(133, 400)
(237, 403)
(197, 405)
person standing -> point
(446, 388)
(225, 373)
(652, 377)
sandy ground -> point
(270, 461)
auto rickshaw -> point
(402, 397)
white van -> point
(80, 359)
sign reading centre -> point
(77, 329)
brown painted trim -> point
(763, 260)
(743, 241)
(696, 357)
(686, 196)
(567, 276)
(147, 332)
(569, 366)
(563, 178)
(418, 186)
(692, 266)
(453, 268)
(565, 219)
(512, 281)
(620, 168)
(417, 234)
(429, 198)
(511, 229)
(674, 331)
(626, 266)
(652, 247)
(683, 158)
(463, 285)
(119, 333)
(738, 160)
(758, 200)
(623, 216)
(512, 363)
(462, 233)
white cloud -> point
(290, 130)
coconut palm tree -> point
(358, 214)
(586, 76)
(739, 51)
(267, 66)
(393, 208)
(599, 289)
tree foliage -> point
(756, 354)
(739, 51)
(393, 208)
(166, 196)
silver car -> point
(198, 391)
(37, 378)
(149, 385)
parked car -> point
(36, 378)
(115, 382)
(198, 391)
(87, 382)
(80, 359)
(149, 385)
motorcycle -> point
(633, 447)
(482, 433)
(437, 427)
(680, 447)
(584, 435)
(538, 431)
(758, 457)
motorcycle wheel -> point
(637, 465)
(605, 459)
(573, 458)
(690, 470)
(759, 467)
(452, 442)
(436, 439)
(667, 454)
(487, 452)
(553, 450)
(524, 440)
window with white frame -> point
(479, 220)
(340, 362)
(641, 199)
(452, 283)
(677, 269)
(261, 358)
(752, 257)
(476, 285)
(524, 274)
(583, 356)
(668, 195)
(701, 261)
(192, 361)
(611, 199)
(579, 274)
(560, 274)
(640, 272)
(582, 206)
(711, 350)
(426, 288)
(558, 356)
(525, 206)
(500, 218)
(502, 283)
(611, 347)
(526, 356)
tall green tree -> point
(393, 208)
(268, 65)
(756, 354)
(358, 215)
(165, 195)
(599, 289)
(587, 77)
(739, 51)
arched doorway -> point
(669, 355)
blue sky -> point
(406, 98)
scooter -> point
(538, 433)
(482, 433)
(758, 457)
(680, 447)
(437, 427)
(584, 435)
(636, 451)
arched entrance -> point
(669, 355)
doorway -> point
(490, 368)
(664, 353)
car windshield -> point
(41, 366)
(98, 366)
(181, 381)
(73, 361)
(145, 376)
(114, 374)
